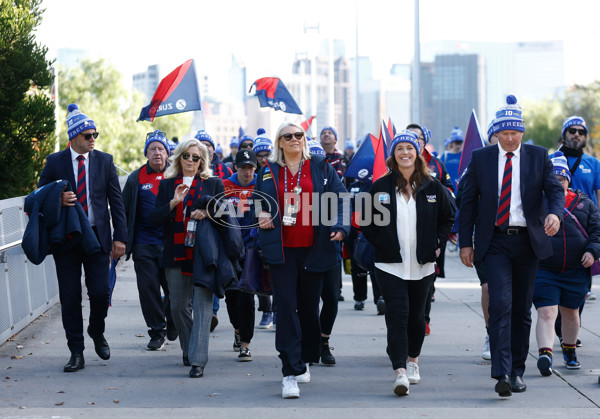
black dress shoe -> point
(517, 385)
(196, 372)
(100, 344)
(186, 361)
(75, 363)
(503, 387)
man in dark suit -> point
(93, 177)
(503, 200)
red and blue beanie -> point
(77, 122)
(160, 137)
(509, 117)
(405, 136)
(203, 136)
(574, 120)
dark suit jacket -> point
(104, 190)
(163, 216)
(479, 202)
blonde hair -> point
(204, 171)
(277, 153)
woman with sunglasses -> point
(187, 179)
(297, 246)
(415, 216)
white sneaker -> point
(401, 385)
(412, 372)
(486, 353)
(304, 378)
(289, 388)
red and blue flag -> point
(176, 93)
(272, 93)
(473, 141)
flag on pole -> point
(307, 123)
(473, 141)
(272, 93)
(176, 93)
(361, 165)
(382, 148)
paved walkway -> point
(139, 383)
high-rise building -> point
(147, 81)
(529, 70)
(299, 87)
(237, 81)
(458, 87)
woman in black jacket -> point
(412, 217)
(186, 181)
(562, 279)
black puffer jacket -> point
(569, 244)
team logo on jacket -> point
(431, 198)
(267, 176)
(146, 186)
(384, 198)
(580, 205)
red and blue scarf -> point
(181, 253)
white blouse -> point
(406, 226)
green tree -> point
(543, 122)
(97, 88)
(585, 101)
(26, 111)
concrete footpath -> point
(139, 383)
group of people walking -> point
(189, 249)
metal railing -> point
(26, 290)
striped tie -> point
(504, 202)
(81, 190)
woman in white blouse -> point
(411, 216)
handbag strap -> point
(578, 223)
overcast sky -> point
(267, 35)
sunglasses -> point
(297, 135)
(186, 156)
(88, 137)
(579, 131)
(156, 133)
(247, 145)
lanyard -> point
(297, 188)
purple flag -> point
(473, 141)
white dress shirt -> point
(89, 197)
(406, 227)
(516, 217)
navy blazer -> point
(104, 190)
(479, 202)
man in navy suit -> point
(503, 200)
(93, 177)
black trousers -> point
(150, 279)
(330, 295)
(240, 308)
(405, 315)
(297, 291)
(510, 266)
(68, 271)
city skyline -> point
(266, 38)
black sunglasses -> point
(579, 131)
(247, 145)
(156, 133)
(297, 135)
(88, 137)
(186, 156)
